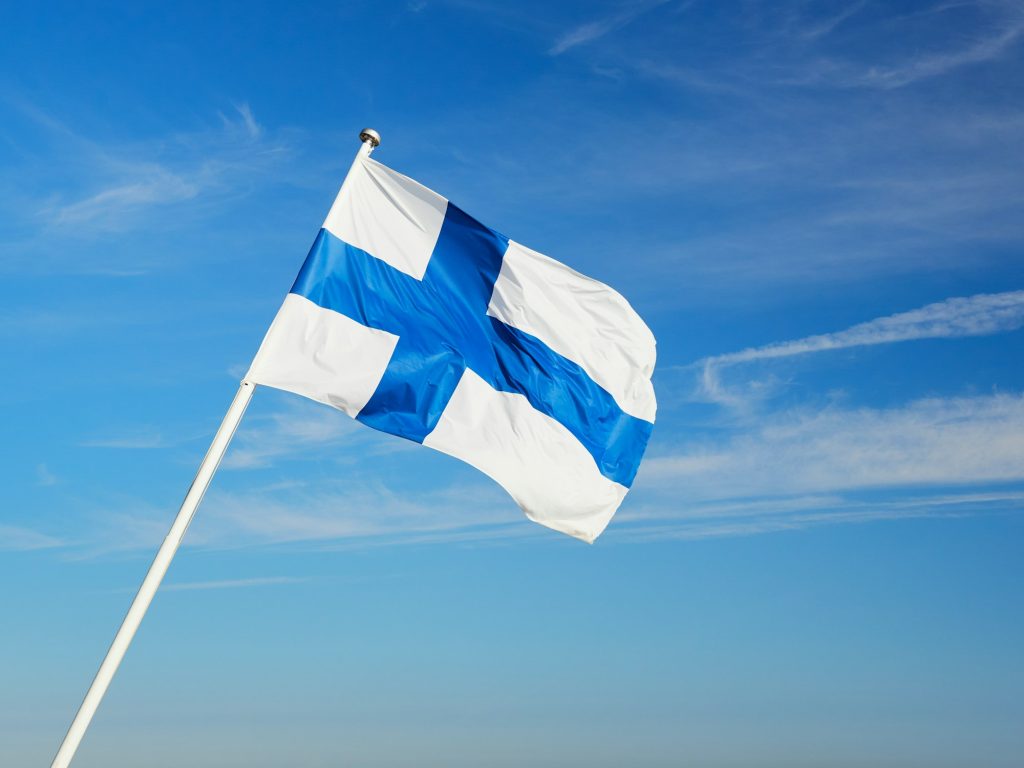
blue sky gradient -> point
(816, 206)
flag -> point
(417, 320)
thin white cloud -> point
(776, 515)
(792, 470)
(1004, 29)
(979, 315)
(258, 581)
(42, 322)
(300, 427)
(18, 539)
(827, 26)
(331, 512)
(985, 49)
(158, 186)
(253, 128)
(804, 468)
(585, 33)
(304, 428)
(358, 513)
(137, 441)
(45, 477)
(332, 515)
(594, 30)
(112, 187)
(931, 442)
(785, 48)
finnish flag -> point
(412, 317)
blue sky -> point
(816, 206)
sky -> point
(817, 208)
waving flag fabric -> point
(417, 320)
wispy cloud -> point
(338, 508)
(358, 512)
(835, 190)
(958, 317)
(927, 66)
(257, 581)
(45, 477)
(153, 185)
(785, 514)
(978, 315)
(136, 441)
(249, 123)
(54, 323)
(116, 186)
(826, 26)
(795, 469)
(939, 442)
(594, 30)
(791, 46)
(987, 34)
(304, 428)
(807, 467)
(17, 539)
(331, 514)
(299, 427)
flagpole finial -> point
(370, 136)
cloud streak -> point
(929, 442)
(991, 38)
(45, 477)
(138, 441)
(302, 428)
(360, 513)
(153, 186)
(979, 315)
(594, 30)
(122, 186)
(258, 581)
(792, 470)
(982, 50)
(332, 515)
(299, 428)
(18, 539)
(778, 515)
(807, 467)
(828, 25)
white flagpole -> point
(156, 574)
(165, 554)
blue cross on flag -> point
(417, 320)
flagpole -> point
(151, 583)
(370, 140)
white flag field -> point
(417, 320)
